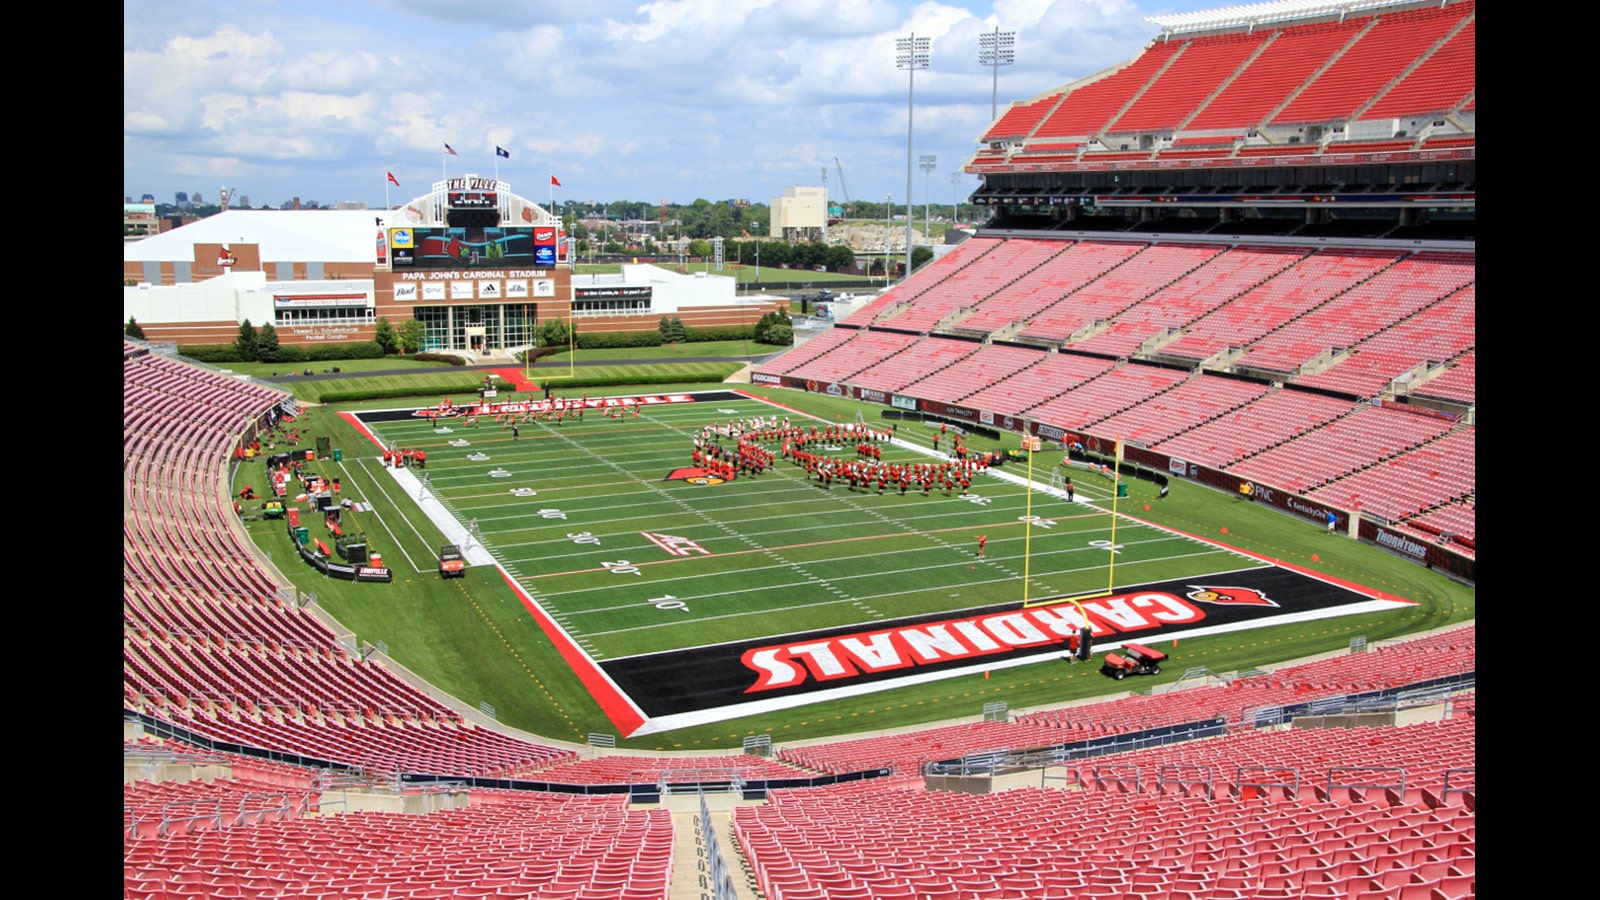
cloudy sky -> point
(620, 100)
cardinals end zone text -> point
(845, 656)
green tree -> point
(676, 332)
(840, 258)
(920, 255)
(133, 330)
(385, 336)
(665, 327)
(267, 343)
(412, 334)
(764, 326)
(555, 333)
(248, 342)
(781, 333)
(700, 248)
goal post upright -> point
(1111, 548)
(1116, 491)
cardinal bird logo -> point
(1228, 596)
(225, 258)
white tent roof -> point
(1260, 13)
(300, 235)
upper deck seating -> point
(1089, 107)
(1380, 54)
(1205, 62)
(1285, 64)
(1439, 84)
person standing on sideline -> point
(1333, 521)
(983, 539)
(1069, 490)
(514, 432)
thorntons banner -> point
(945, 409)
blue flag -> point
(502, 152)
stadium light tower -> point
(995, 49)
(955, 191)
(824, 204)
(927, 164)
(888, 225)
(911, 54)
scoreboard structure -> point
(481, 267)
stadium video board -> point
(471, 247)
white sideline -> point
(442, 518)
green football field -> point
(648, 571)
(582, 518)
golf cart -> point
(451, 563)
(1135, 659)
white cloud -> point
(674, 98)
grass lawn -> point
(697, 350)
(284, 370)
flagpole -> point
(386, 174)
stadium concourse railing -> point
(642, 787)
(1004, 761)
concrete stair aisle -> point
(691, 861)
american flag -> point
(450, 150)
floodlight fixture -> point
(995, 49)
(911, 54)
(927, 164)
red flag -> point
(393, 180)
(556, 182)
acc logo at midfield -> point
(695, 475)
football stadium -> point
(1126, 550)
